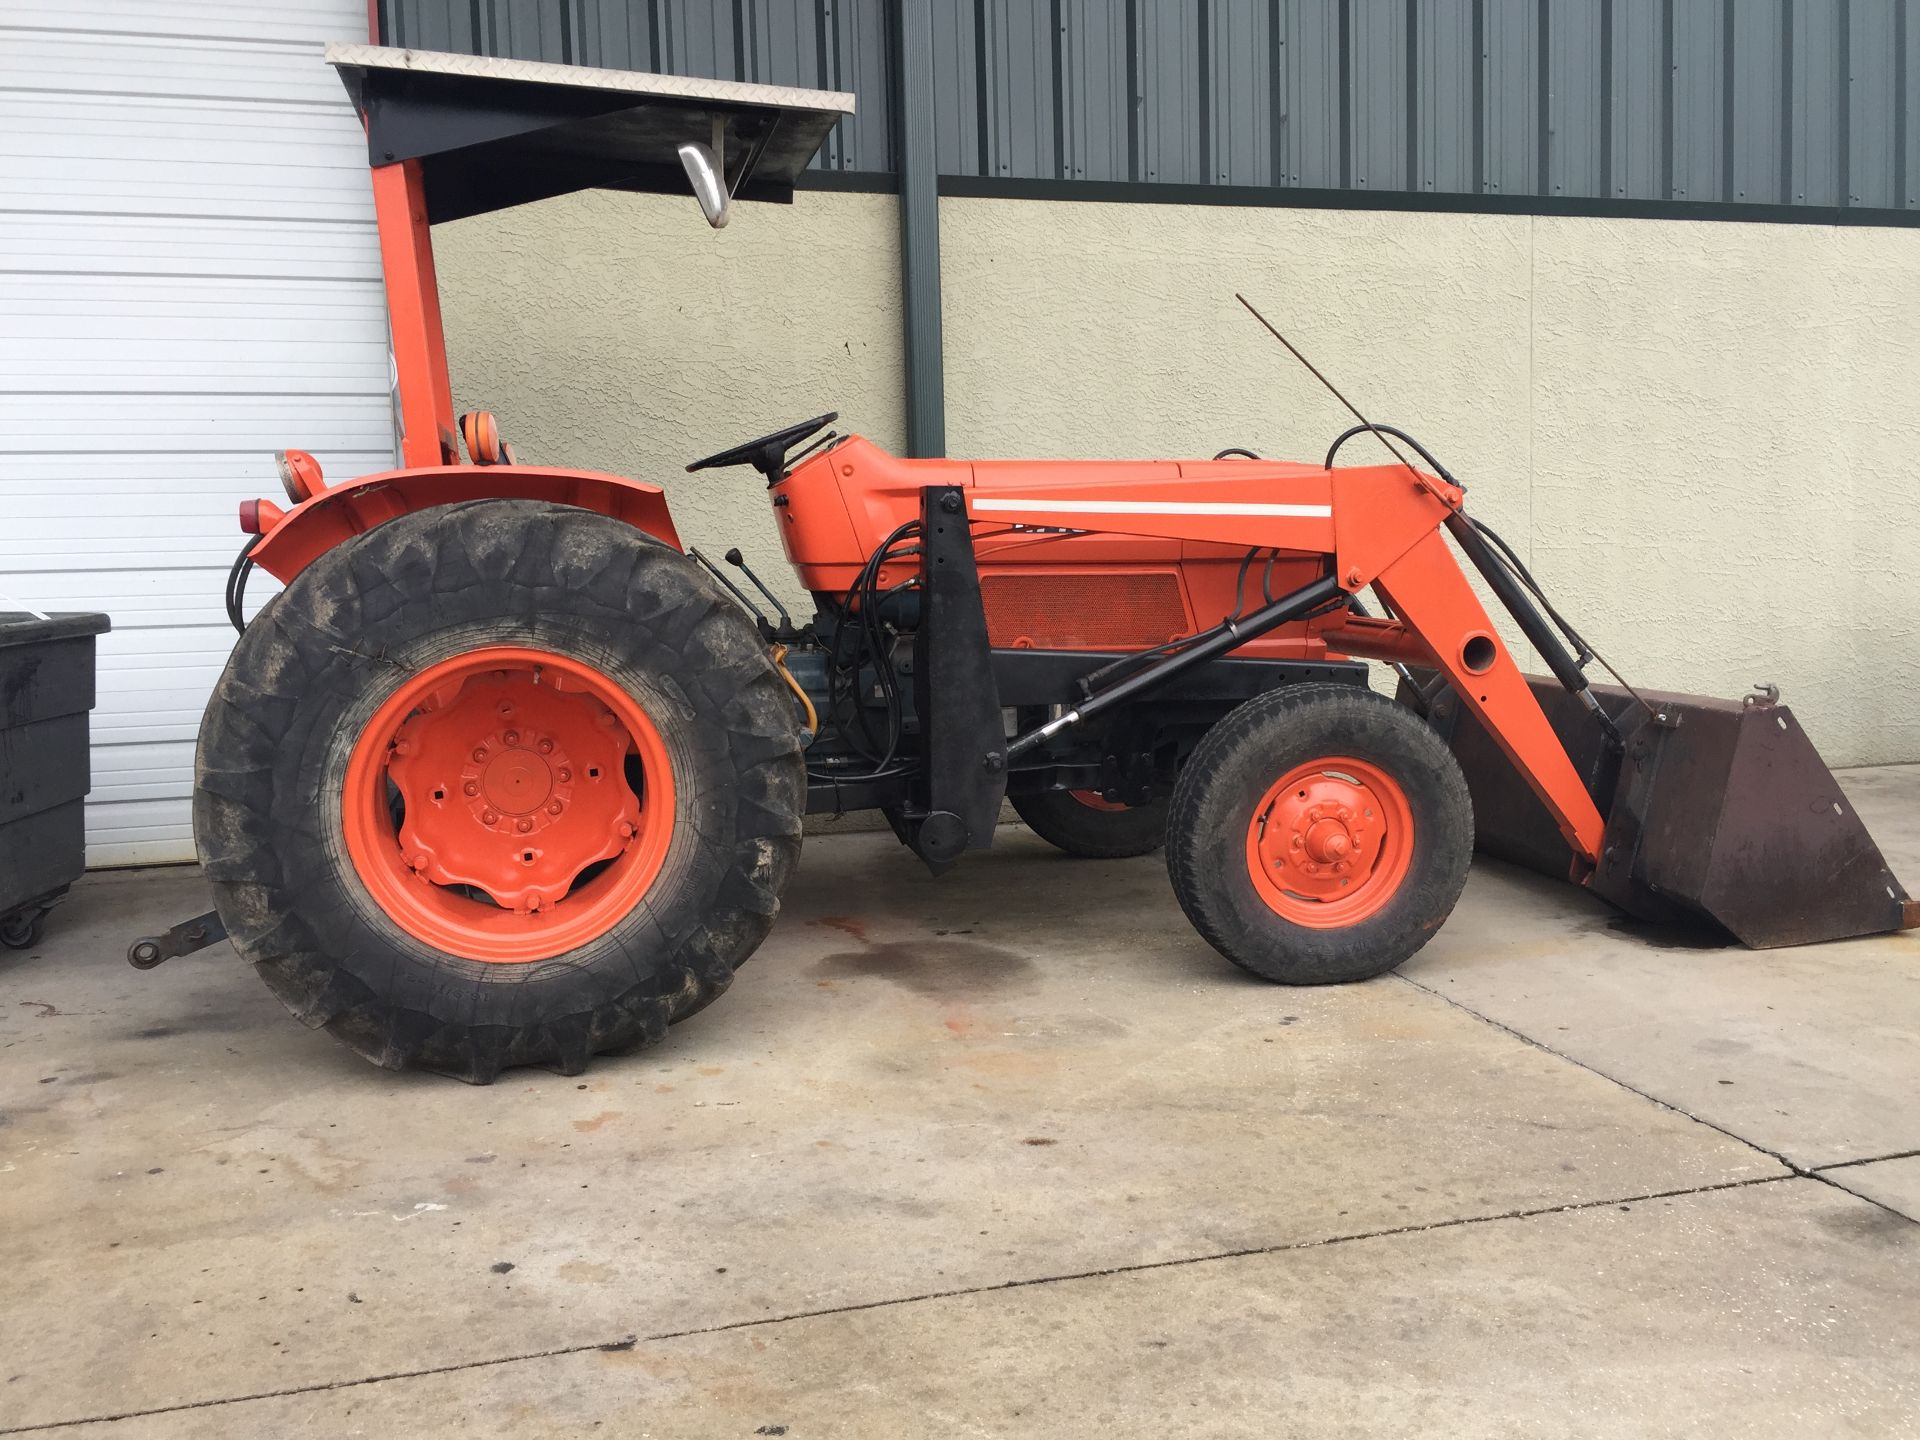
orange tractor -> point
(506, 775)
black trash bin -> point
(46, 690)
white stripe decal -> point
(1154, 507)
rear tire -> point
(401, 979)
(1068, 822)
(1319, 834)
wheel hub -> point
(1320, 836)
(511, 786)
(515, 781)
(1329, 842)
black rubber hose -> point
(237, 585)
(1525, 576)
(1398, 434)
(870, 639)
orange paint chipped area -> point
(597, 1121)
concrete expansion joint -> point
(1795, 1170)
(629, 1342)
(1865, 1160)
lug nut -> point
(479, 752)
(565, 775)
(554, 807)
(417, 861)
(626, 830)
(546, 747)
(523, 826)
(512, 737)
(489, 817)
(472, 787)
(403, 747)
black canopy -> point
(493, 133)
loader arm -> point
(1375, 526)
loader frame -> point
(1377, 527)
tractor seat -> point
(482, 433)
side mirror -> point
(703, 171)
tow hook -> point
(183, 939)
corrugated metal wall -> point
(1726, 102)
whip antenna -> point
(1334, 390)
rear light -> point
(258, 517)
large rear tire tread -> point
(1093, 834)
(1224, 780)
(312, 668)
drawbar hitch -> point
(183, 939)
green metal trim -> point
(919, 183)
(1276, 197)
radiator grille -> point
(1081, 611)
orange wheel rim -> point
(508, 805)
(1094, 800)
(1331, 842)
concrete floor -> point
(1008, 1153)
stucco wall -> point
(1699, 434)
(619, 332)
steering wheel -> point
(768, 454)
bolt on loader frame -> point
(507, 775)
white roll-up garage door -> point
(189, 280)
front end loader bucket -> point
(1717, 810)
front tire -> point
(1319, 834)
(500, 783)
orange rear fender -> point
(338, 514)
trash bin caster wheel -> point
(22, 929)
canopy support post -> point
(413, 314)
